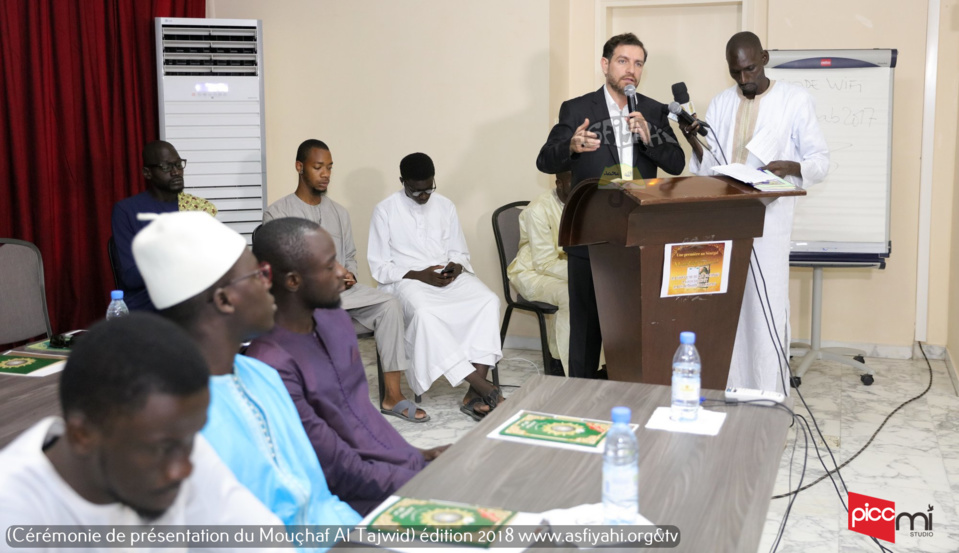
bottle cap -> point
(687, 337)
(116, 295)
(621, 415)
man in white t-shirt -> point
(134, 395)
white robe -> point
(785, 119)
(371, 307)
(448, 328)
(34, 494)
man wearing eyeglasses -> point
(418, 253)
(163, 170)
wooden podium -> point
(627, 226)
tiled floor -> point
(914, 460)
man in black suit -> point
(597, 135)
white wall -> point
(477, 85)
(465, 82)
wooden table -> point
(715, 489)
(24, 401)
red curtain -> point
(78, 99)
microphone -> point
(630, 91)
(678, 111)
(681, 95)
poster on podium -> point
(695, 268)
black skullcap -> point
(417, 166)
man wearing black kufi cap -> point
(418, 253)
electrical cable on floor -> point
(802, 476)
(774, 334)
(532, 364)
(782, 360)
(802, 426)
(874, 434)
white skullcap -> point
(183, 253)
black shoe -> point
(556, 368)
(601, 374)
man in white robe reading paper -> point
(766, 125)
(418, 253)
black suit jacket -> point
(663, 150)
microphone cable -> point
(803, 427)
(829, 473)
(716, 138)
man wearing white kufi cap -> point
(200, 274)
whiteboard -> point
(847, 213)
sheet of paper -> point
(707, 423)
(584, 515)
(767, 144)
(743, 173)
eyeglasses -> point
(265, 272)
(419, 193)
(167, 167)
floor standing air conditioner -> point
(210, 79)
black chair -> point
(114, 263)
(506, 232)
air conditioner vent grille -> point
(208, 50)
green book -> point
(442, 521)
(28, 365)
(557, 428)
(45, 348)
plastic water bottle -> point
(621, 471)
(117, 307)
(686, 379)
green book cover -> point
(442, 521)
(22, 364)
(557, 428)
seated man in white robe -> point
(539, 271)
(767, 125)
(418, 253)
(134, 395)
(371, 307)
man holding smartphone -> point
(371, 307)
(418, 253)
